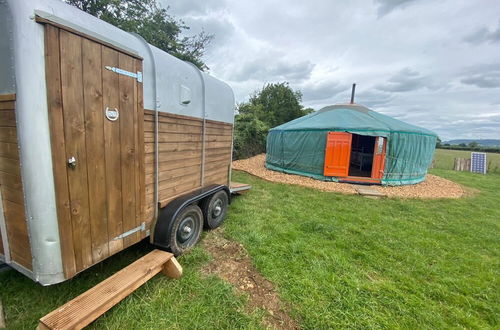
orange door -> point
(379, 158)
(338, 154)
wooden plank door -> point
(337, 154)
(97, 142)
(379, 153)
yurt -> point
(351, 143)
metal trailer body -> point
(169, 86)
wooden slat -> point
(74, 132)
(9, 150)
(88, 306)
(94, 134)
(17, 232)
(7, 118)
(128, 154)
(56, 122)
(11, 180)
(7, 97)
(13, 195)
(169, 165)
(10, 166)
(7, 105)
(8, 134)
(111, 98)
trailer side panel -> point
(180, 144)
(11, 186)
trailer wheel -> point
(215, 209)
(186, 229)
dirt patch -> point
(232, 263)
(432, 187)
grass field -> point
(444, 159)
(340, 261)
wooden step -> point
(239, 188)
(91, 304)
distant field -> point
(444, 159)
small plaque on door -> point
(112, 114)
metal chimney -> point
(352, 93)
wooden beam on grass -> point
(91, 304)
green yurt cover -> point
(298, 147)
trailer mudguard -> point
(167, 214)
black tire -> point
(214, 209)
(186, 230)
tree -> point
(473, 145)
(148, 19)
(438, 142)
(274, 105)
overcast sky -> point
(433, 63)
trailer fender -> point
(168, 213)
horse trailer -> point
(104, 140)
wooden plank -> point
(7, 117)
(111, 98)
(10, 105)
(10, 166)
(8, 134)
(128, 107)
(13, 195)
(9, 150)
(56, 123)
(7, 97)
(169, 165)
(175, 173)
(17, 232)
(139, 147)
(172, 156)
(42, 20)
(88, 306)
(74, 133)
(94, 134)
(11, 180)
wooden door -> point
(96, 119)
(337, 154)
(379, 158)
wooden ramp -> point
(239, 188)
(88, 306)
(368, 191)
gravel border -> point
(433, 186)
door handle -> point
(72, 162)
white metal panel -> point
(7, 78)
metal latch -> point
(137, 75)
(72, 162)
(142, 227)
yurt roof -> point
(350, 117)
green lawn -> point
(444, 159)
(340, 261)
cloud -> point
(320, 91)
(273, 69)
(431, 63)
(386, 6)
(483, 76)
(404, 81)
(483, 35)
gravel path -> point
(432, 187)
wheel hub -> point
(217, 209)
(185, 230)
